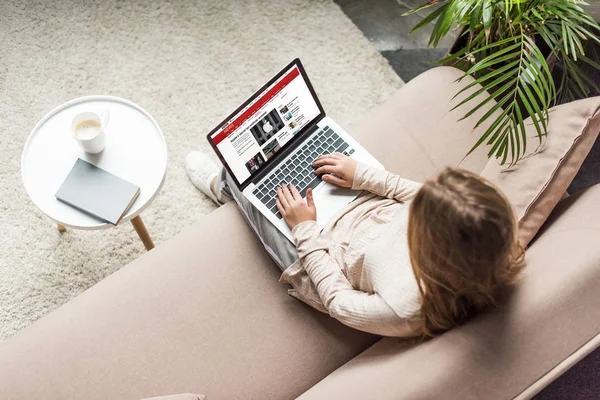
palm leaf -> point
(487, 18)
(429, 18)
(532, 105)
(511, 140)
(492, 132)
(502, 90)
(500, 71)
(524, 84)
(476, 16)
(495, 58)
(442, 26)
(424, 6)
(500, 142)
(522, 130)
(511, 76)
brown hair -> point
(462, 238)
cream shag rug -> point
(189, 63)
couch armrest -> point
(553, 312)
(202, 313)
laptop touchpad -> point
(330, 199)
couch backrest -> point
(415, 134)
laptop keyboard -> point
(298, 170)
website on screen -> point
(254, 135)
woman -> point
(402, 259)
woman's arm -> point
(383, 183)
(343, 171)
(363, 311)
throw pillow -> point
(537, 183)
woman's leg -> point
(281, 250)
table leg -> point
(61, 228)
(142, 232)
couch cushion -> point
(202, 313)
(537, 183)
(553, 312)
(416, 135)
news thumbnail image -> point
(271, 148)
(255, 163)
(267, 127)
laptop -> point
(274, 137)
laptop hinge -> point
(285, 152)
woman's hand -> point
(292, 207)
(336, 168)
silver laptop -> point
(274, 137)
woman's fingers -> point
(325, 160)
(295, 193)
(337, 154)
(310, 201)
(281, 208)
(286, 192)
(335, 180)
(332, 157)
(327, 169)
(281, 197)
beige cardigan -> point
(357, 268)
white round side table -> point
(135, 151)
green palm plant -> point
(510, 48)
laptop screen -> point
(248, 139)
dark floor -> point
(382, 23)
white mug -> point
(88, 130)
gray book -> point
(97, 192)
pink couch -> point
(204, 312)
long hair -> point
(462, 239)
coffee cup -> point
(88, 130)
